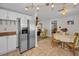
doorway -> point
(53, 26)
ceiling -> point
(45, 12)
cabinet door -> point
(3, 14)
(12, 15)
(3, 45)
(1, 26)
(11, 27)
(11, 43)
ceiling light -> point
(26, 8)
(64, 10)
(37, 8)
(52, 5)
(75, 3)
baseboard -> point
(4, 54)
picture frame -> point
(70, 22)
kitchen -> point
(11, 29)
(28, 27)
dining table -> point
(64, 38)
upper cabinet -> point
(11, 15)
(3, 14)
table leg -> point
(62, 45)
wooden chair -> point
(54, 42)
(73, 46)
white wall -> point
(46, 24)
(62, 21)
(71, 28)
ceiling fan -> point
(63, 10)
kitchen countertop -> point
(7, 33)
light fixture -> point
(75, 3)
(32, 6)
(64, 10)
(37, 8)
(26, 8)
(52, 5)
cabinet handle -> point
(0, 21)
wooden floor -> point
(44, 49)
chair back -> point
(76, 40)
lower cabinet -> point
(3, 45)
(7, 44)
(11, 43)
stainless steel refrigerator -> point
(26, 36)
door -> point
(31, 34)
(53, 25)
(22, 37)
(23, 43)
(32, 39)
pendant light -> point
(26, 8)
(75, 3)
(52, 6)
(37, 8)
(64, 10)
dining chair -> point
(73, 46)
(54, 42)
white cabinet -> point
(3, 45)
(7, 44)
(11, 27)
(12, 15)
(1, 26)
(7, 25)
(11, 42)
(3, 14)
